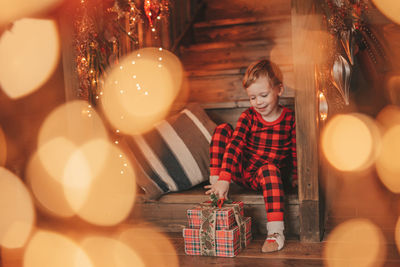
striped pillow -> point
(174, 156)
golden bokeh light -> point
(31, 49)
(387, 163)
(389, 116)
(139, 91)
(85, 163)
(44, 175)
(350, 142)
(3, 147)
(49, 249)
(105, 252)
(54, 155)
(154, 248)
(16, 211)
(389, 8)
(76, 121)
(112, 192)
(77, 171)
(12, 10)
(94, 181)
(356, 243)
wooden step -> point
(169, 212)
(239, 44)
(218, 86)
(232, 55)
(224, 69)
(243, 29)
(223, 9)
(227, 68)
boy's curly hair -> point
(262, 68)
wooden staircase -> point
(229, 40)
(221, 65)
(233, 34)
(169, 212)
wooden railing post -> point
(305, 24)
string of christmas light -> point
(85, 44)
(154, 11)
(98, 46)
(345, 15)
(133, 16)
(125, 18)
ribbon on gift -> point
(207, 231)
(208, 226)
(241, 223)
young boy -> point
(253, 153)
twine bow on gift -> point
(219, 202)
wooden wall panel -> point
(238, 54)
(222, 88)
(243, 29)
(246, 8)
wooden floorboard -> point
(295, 253)
(246, 262)
(293, 249)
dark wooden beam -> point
(305, 24)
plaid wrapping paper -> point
(227, 241)
(225, 216)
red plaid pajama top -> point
(258, 142)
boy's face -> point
(264, 98)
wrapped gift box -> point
(227, 242)
(225, 217)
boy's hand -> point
(294, 183)
(213, 179)
(220, 189)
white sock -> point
(277, 227)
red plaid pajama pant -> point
(266, 178)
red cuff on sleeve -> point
(215, 171)
(225, 176)
(274, 216)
